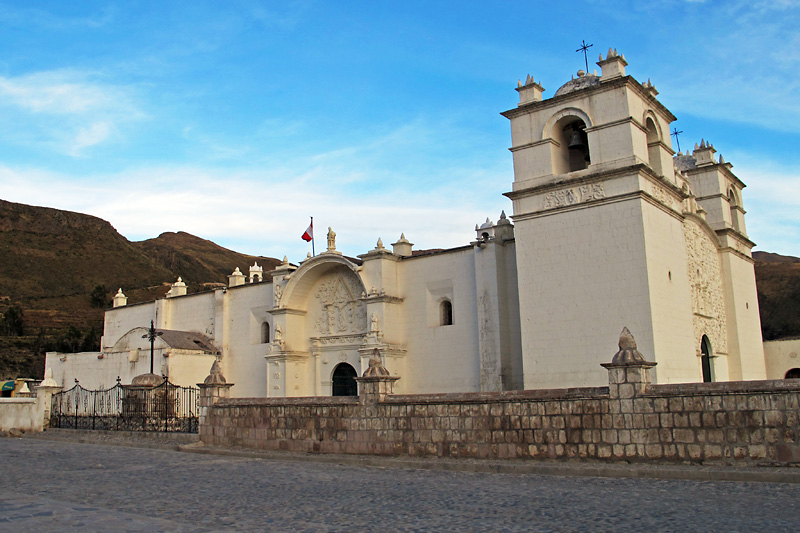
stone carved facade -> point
(337, 311)
(705, 279)
(574, 195)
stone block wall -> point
(734, 422)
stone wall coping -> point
(17, 400)
(723, 387)
(592, 393)
(287, 402)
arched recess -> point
(794, 373)
(706, 360)
(567, 128)
(445, 312)
(653, 143)
(344, 380)
(265, 338)
(733, 203)
(304, 278)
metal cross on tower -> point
(152, 335)
(675, 134)
(584, 47)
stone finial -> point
(178, 288)
(376, 368)
(120, 299)
(285, 260)
(613, 66)
(403, 246)
(379, 245)
(48, 380)
(215, 376)
(24, 391)
(627, 353)
(236, 279)
(530, 92)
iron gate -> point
(165, 407)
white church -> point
(610, 228)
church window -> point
(572, 151)
(446, 313)
(653, 146)
(706, 360)
(344, 380)
(793, 374)
(734, 207)
(264, 332)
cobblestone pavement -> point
(63, 486)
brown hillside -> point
(51, 260)
(51, 253)
(778, 280)
(198, 260)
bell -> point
(576, 141)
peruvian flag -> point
(309, 234)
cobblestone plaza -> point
(62, 486)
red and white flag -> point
(309, 234)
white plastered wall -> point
(440, 358)
(781, 356)
(582, 277)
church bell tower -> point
(599, 229)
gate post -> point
(44, 396)
(376, 382)
(212, 389)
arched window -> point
(706, 360)
(264, 332)
(653, 146)
(344, 382)
(733, 202)
(446, 313)
(793, 374)
(572, 151)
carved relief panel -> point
(335, 309)
(705, 278)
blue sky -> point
(237, 120)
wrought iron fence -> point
(165, 407)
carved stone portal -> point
(336, 310)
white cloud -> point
(89, 136)
(258, 212)
(772, 202)
(66, 110)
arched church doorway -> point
(705, 360)
(793, 374)
(344, 382)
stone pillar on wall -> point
(212, 389)
(628, 371)
(376, 382)
(44, 395)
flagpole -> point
(313, 253)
